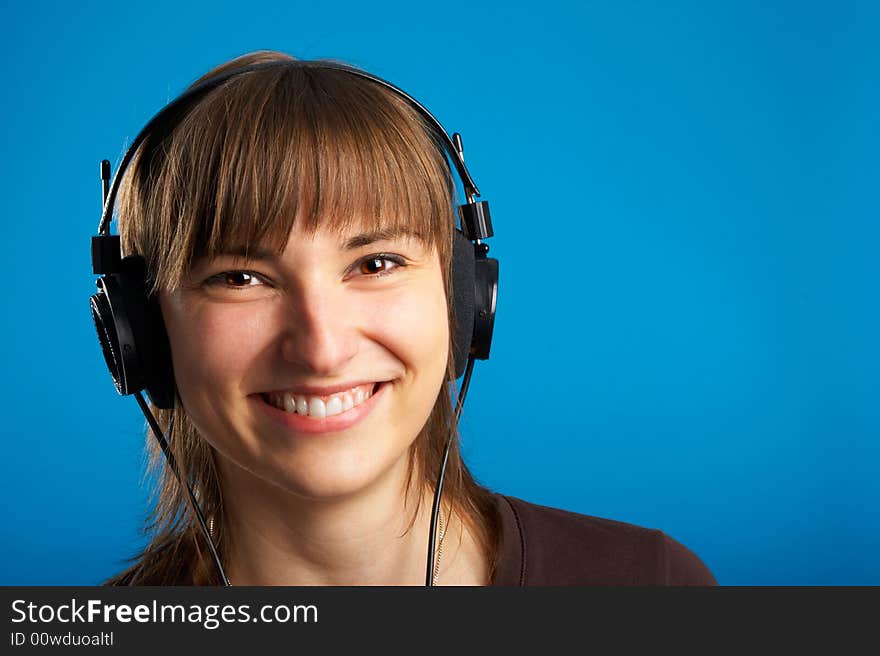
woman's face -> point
(349, 326)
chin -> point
(344, 478)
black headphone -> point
(129, 323)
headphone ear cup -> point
(463, 295)
(486, 289)
(132, 333)
(110, 315)
(158, 368)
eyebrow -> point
(385, 234)
(358, 241)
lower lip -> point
(304, 424)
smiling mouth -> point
(321, 407)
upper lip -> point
(321, 390)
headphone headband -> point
(453, 147)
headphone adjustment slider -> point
(475, 220)
(106, 254)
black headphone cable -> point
(169, 458)
(438, 489)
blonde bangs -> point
(273, 148)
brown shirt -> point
(548, 546)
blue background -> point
(685, 199)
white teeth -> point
(302, 405)
(334, 406)
(315, 406)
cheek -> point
(213, 344)
(413, 325)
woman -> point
(296, 225)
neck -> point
(279, 538)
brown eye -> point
(379, 265)
(233, 280)
(373, 265)
(237, 278)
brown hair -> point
(239, 166)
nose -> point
(321, 332)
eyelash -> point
(399, 262)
